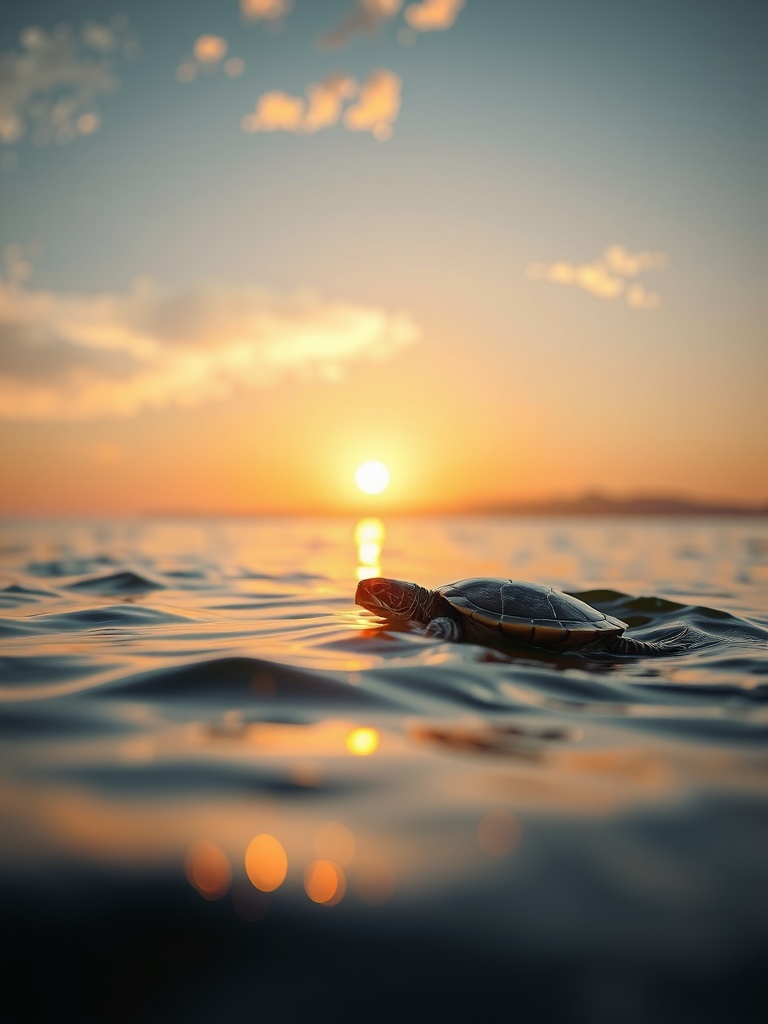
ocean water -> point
(228, 794)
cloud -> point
(276, 112)
(50, 87)
(431, 15)
(265, 10)
(639, 298)
(630, 264)
(605, 277)
(210, 49)
(17, 261)
(592, 277)
(279, 111)
(376, 107)
(207, 54)
(73, 357)
(325, 101)
(365, 17)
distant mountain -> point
(590, 504)
(597, 504)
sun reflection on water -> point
(369, 538)
(498, 832)
(336, 842)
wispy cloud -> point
(49, 89)
(364, 18)
(433, 15)
(208, 54)
(269, 11)
(605, 277)
(70, 356)
(639, 297)
(630, 264)
(375, 108)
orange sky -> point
(246, 270)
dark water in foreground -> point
(228, 795)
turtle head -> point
(394, 599)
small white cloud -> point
(605, 278)
(630, 264)
(265, 10)
(639, 298)
(208, 53)
(70, 357)
(234, 67)
(276, 112)
(325, 101)
(102, 38)
(365, 18)
(592, 277)
(378, 105)
(49, 89)
(210, 49)
(433, 15)
(375, 109)
(17, 262)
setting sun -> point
(372, 477)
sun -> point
(372, 477)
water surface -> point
(229, 794)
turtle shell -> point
(528, 613)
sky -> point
(511, 248)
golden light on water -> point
(325, 882)
(372, 477)
(362, 741)
(208, 870)
(369, 537)
(498, 833)
(335, 842)
(266, 862)
(375, 880)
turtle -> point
(490, 610)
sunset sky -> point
(510, 248)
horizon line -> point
(590, 504)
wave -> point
(123, 582)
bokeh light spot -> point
(362, 741)
(266, 862)
(325, 882)
(207, 869)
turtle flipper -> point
(628, 645)
(444, 627)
